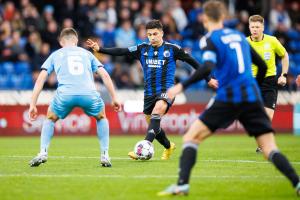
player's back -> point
(74, 67)
(233, 67)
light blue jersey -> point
(74, 68)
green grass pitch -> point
(227, 168)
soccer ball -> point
(144, 150)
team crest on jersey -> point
(167, 53)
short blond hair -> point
(256, 18)
(67, 32)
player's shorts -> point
(269, 92)
(62, 105)
(251, 115)
(149, 102)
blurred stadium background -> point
(29, 31)
(28, 34)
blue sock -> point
(46, 135)
(103, 134)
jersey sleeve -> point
(135, 51)
(278, 48)
(48, 65)
(209, 53)
(95, 63)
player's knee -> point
(51, 116)
(101, 115)
(189, 138)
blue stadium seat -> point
(17, 81)
(196, 46)
(293, 34)
(28, 82)
(294, 45)
(5, 82)
(197, 54)
(8, 68)
(187, 43)
(296, 58)
(22, 67)
(21, 82)
(1, 69)
(291, 57)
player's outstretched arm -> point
(110, 87)
(110, 51)
(285, 67)
(35, 94)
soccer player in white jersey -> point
(74, 67)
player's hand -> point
(282, 80)
(117, 105)
(173, 91)
(213, 83)
(32, 113)
(94, 45)
(298, 80)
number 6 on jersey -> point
(75, 65)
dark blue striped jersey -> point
(159, 64)
(230, 52)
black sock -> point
(283, 165)
(154, 127)
(187, 161)
(162, 139)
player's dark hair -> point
(68, 32)
(256, 18)
(215, 10)
(154, 24)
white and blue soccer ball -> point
(144, 150)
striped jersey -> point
(159, 64)
(229, 51)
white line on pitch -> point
(126, 158)
(135, 177)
